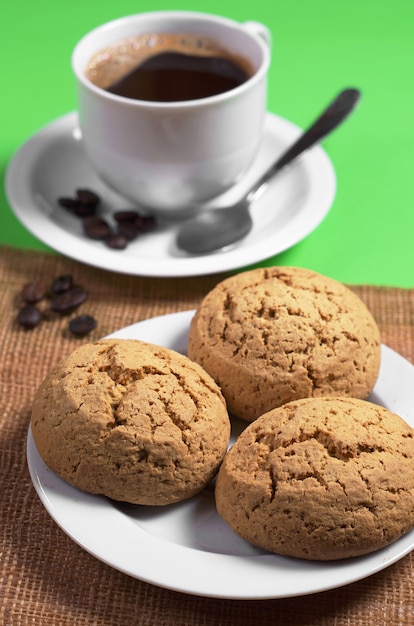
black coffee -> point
(167, 68)
(173, 76)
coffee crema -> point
(167, 68)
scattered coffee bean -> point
(88, 197)
(130, 223)
(68, 203)
(126, 216)
(29, 316)
(84, 210)
(117, 241)
(96, 228)
(64, 298)
(63, 283)
(82, 325)
(69, 300)
(127, 230)
(144, 223)
(33, 292)
(76, 207)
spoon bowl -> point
(218, 228)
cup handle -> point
(259, 29)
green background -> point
(319, 47)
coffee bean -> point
(144, 223)
(65, 297)
(63, 283)
(75, 207)
(127, 230)
(84, 210)
(69, 300)
(33, 292)
(88, 197)
(117, 241)
(126, 216)
(82, 325)
(130, 223)
(29, 316)
(96, 228)
(68, 203)
(141, 222)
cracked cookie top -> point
(132, 421)
(272, 335)
(320, 478)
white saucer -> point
(188, 547)
(52, 163)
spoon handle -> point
(336, 112)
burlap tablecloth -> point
(47, 579)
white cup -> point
(170, 157)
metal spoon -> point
(217, 228)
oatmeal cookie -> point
(273, 335)
(320, 478)
(132, 421)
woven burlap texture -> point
(48, 579)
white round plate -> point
(53, 163)
(187, 547)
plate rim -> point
(172, 553)
(315, 168)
